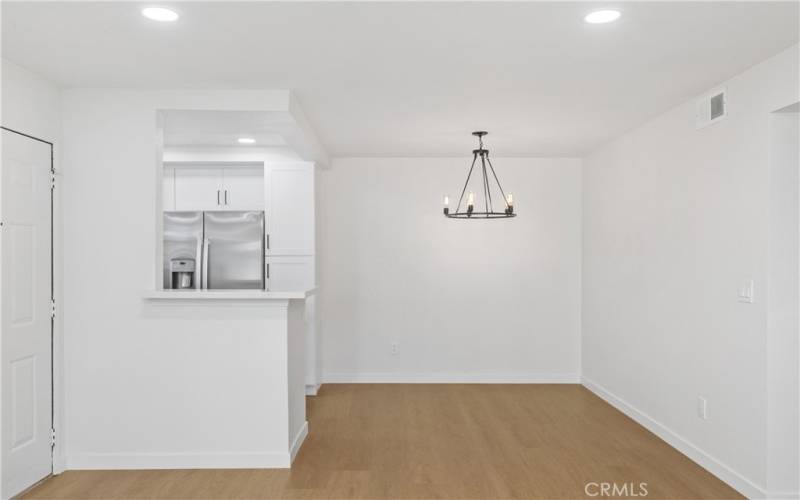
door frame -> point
(56, 347)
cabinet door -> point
(243, 188)
(168, 191)
(290, 273)
(290, 210)
(198, 188)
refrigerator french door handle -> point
(226, 196)
(206, 245)
(198, 282)
(264, 247)
(218, 197)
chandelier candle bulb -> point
(446, 204)
(470, 202)
(509, 203)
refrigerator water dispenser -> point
(182, 271)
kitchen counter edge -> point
(226, 294)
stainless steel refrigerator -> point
(217, 250)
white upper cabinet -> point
(198, 188)
(243, 188)
(290, 209)
(218, 188)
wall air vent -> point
(711, 108)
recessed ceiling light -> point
(160, 14)
(602, 16)
(246, 140)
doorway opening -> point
(783, 313)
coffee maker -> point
(182, 273)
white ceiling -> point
(413, 79)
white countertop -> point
(226, 294)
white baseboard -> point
(233, 460)
(312, 389)
(452, 378)
(735, 480)
(782, 495)
(298, 441)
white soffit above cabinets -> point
(220, 118)
(193, 128)
(414, 78)
(216, 135)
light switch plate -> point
(747, 292)
(702, 407)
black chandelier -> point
(488, 206)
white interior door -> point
(25, 312)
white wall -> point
(151, 382)
(674, 220)
(483, 301)
(30, 104)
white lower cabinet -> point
(290, 273)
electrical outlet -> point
(702, 407)
(395, 348)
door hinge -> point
(52, 179)
(52, 437)
(52, 308)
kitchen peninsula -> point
(243, 364)
(161, 376)
(235, 289)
